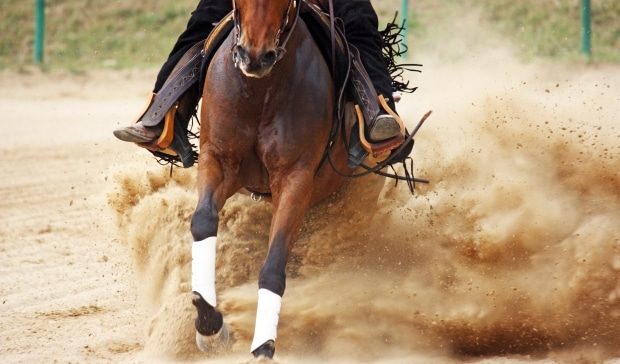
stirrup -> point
(380, 149)
(172, 145)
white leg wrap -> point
(267, 315)
(203, 269)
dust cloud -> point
(513, 249)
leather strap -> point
(183, 76)
(365, 94)
(332, 31)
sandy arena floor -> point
(512, 253)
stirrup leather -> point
(173, 145)
(382, 148)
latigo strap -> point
(184, 75)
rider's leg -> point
(361, 27)
(200, 24)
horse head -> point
(262, 29)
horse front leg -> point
(216, 183)
(291, 198)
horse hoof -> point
(267, 350)
(214, 343)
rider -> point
(361, 28)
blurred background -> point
(87, 34)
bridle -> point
(282, 35)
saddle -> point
(173, 145)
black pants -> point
(360, 21)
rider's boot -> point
(138, 133)
(379, 123)
(143, 134)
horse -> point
(266, 115)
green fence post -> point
(39, 32)
(586, 29)
(404, 11)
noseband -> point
(282, 35)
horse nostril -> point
(240, 54)
(269, 57)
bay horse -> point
(267, 111)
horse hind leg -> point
(215, 188)
(291, 200)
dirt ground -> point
(67, 287)
(511, 255)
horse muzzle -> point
(258, 63)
